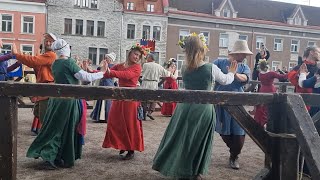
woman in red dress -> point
(124, 130)
(266, 77)
(170, 83)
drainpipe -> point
(121, 37)
(252, 59)
(46, 4)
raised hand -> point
(303, 68)
(233, 67)
(14, 49)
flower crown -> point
(182, 42)
(144, 49)
(263, 61)
(170, 61)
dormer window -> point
(150, 7)
(297, 20)
(226, 13)
(130, 6)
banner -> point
(149, 43)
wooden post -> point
(8, 137)
(284, 150)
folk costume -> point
(124, 130)
(151, 73)
(61, 137)
(168, 108)
(102, 107)
(228, 128)
(266, 78)
(186, 147)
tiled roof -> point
(251, 9)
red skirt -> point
(167, 109)
(124, 130)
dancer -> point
(266, 77)
(59, 143)
(102, 107)
(124, 130)
(167, 109)
(186, 147)
(230, 131)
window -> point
(77, 3)
(150, 7)
(156, 32)
(6, 48)
(243, 37)
(27, 24)
(86, 4)
(94, 4)
(100, 29)
(183, 33)
(292, 65)
(93, 54)
(90, 28)
(130, 6)
(145, 32)
(297, 20)
(276, 65)
(206, 59)
(67, 26)
(27, 49)
(131, 28)
(259, 41)
(226, 13)
(207, 36)
(224, 40)
(312, 43)
(79, 27)
(278, 44)
(180, 62)
(294, 45)
(6, 23)
(102, 53)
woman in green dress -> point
(185, 149)
(59, 142)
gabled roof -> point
(251, 9)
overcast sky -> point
(304, 2)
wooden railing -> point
(287, 115)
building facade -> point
(22, 23)
(285, 29)
(145, 19)
(91, 27)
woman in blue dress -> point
(102, 106)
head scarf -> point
(61, 47)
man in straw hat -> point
(230, 131)
(42, 66)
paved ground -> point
(98, 163)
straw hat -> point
(112, 56)
(241, 47)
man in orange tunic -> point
(42, 67)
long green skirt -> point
(186, 147)
(58, 137)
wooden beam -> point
(311, 99)
(264, 174)
(307, 135)
(8, 138)
(253, 129)
(94, 92)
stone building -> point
(285, 29)
(92, 27)
(145, 19)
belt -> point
(150, 80)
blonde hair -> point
(195, 52)
(263, 65)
